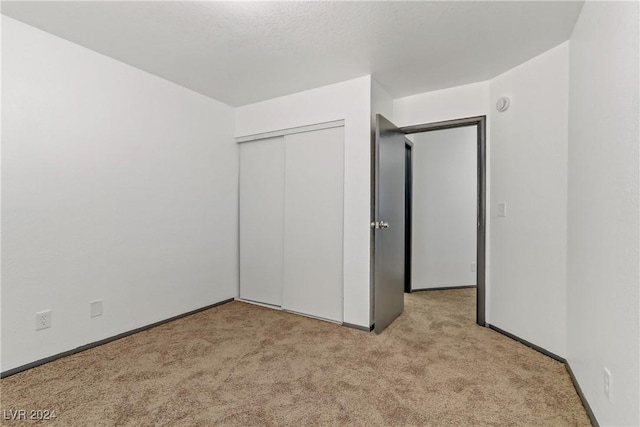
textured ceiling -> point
(244, 52)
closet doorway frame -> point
(283, 133)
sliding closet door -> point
(262, 171)
(314, 223)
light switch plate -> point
(95, 308)
(608, 385)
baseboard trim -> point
(585, 403)
(310, 316)
(89, 346)
(260, 304)
(358, 327)
(443, 288)
(576, 385)
(528, 344)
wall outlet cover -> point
(43, 320)
(502, 209)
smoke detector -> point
(503, 104)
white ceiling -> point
(244, 52)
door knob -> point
(379, 225)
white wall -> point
(116, 185)
(528, 172)
(381, 102)
(603, 223)
(444, 208)
(455, 103)
(349, 101)
(1, 31)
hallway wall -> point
(444, 237)
(603, 293)
(529, 172)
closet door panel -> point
(262, 169)
(313, 235)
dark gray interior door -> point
(388, 222)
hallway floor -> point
(240, 364)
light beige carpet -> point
(244, 365)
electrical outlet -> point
(43, 320)
(473, 267)
(95, 308)
(608, 383)
(502, 209)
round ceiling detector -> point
(503, 104)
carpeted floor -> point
(244, 365)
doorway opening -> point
(408, 214)
(392, 169)
(480, 130)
